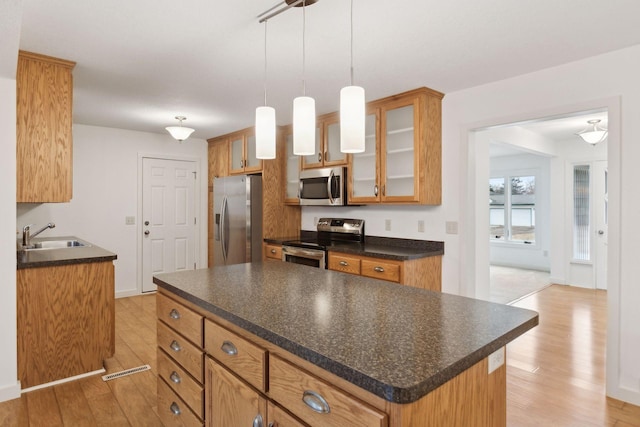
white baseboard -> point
(557, 280)
(128, 293)
(64, 380)
(10, 392)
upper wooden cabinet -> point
(242, 152)
(44, 129)
(218, 159)
(292, 164)
(327, 153)
(402, 161)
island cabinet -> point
(402, 161)
(250, 381)
(44, 93)
(424, 273)
(272, 251)
(327, 148)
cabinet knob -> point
(326, 156)
(316, 402)
(257, 421)
(229, 348)
(319, 157)
(175, 408)
(375, 190)
(378, 269)
(344, 263)
(175, 377)
(174, 314)
(273, 251)
(175, 346)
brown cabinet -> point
(65, 321)
(273, 251)
(180, 363)
(422, 273)
(242, 153)
(293, 164)
(44, 128)
(402, 161)
(327, 149)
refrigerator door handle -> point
(223, 231)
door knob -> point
(146, 223)
(601, 232)
(146, 232)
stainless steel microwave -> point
(323, 187)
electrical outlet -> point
(452, 227)
(421, 226)
(496, 359)
(130, 220)
(387, 225)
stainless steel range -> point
(330, 231)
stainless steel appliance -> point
(325, 187)
(330, 232)
(237, 219)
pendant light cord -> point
(351, 42)
(265, 63)
(304, 22)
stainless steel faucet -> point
(27, 236)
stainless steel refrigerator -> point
(237, 219)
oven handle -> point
(303, 252)
(329, 186)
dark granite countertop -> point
(64, 256)
(398, 342)
(378, 247)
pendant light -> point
(304, 110)
(593, 134)
(352, 112)
(265, 119)
(178, 132)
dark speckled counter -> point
(397, 342)
(64, 256)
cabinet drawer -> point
(293, 388)
(181, 350)
(241, 356)
(344, 263)
(172, 410)
(180, 318)
(273, 251)
(189, 390)
(381, 270)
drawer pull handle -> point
(175, 377)
(174, 314)
(175, 409)
(229, 348)
(316, 402)
(344, 263)
(273, 251)
(257, 421)
(378, 269)
(175, 346)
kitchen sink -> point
(56, 244)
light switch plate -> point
(421, 226)
(387, 225)
(130, 220)
(452, 227)
(496, 359)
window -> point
(581, 213)
(512, 209)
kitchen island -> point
(381, 353)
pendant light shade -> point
(178, 132)
(265, 133)
(352, 119)
(593, 134)
(304, 126)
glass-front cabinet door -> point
(314, 160)
(399, 166)
(242, 152)
(332, 155)
(251, 162)
(364, 167)
(236, 154)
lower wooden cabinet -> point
(273, 251)
(424, 273)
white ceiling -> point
(142, 62)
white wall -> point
(105, 191)
(610, 81)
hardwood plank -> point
(72, 404)
(43, 408)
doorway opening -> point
(548, 204)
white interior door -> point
(168, 218)
(601, 205)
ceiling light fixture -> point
(265, 119)
(304, 109)
(593, 134)
(352, 112)
(178, 132)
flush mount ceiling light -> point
(178, 132)
(352, 112)
(265, 119)
(593, 134)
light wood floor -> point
(555, 372)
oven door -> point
(312, 257)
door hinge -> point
(194, 266)
(195, 221)
(194, 175)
